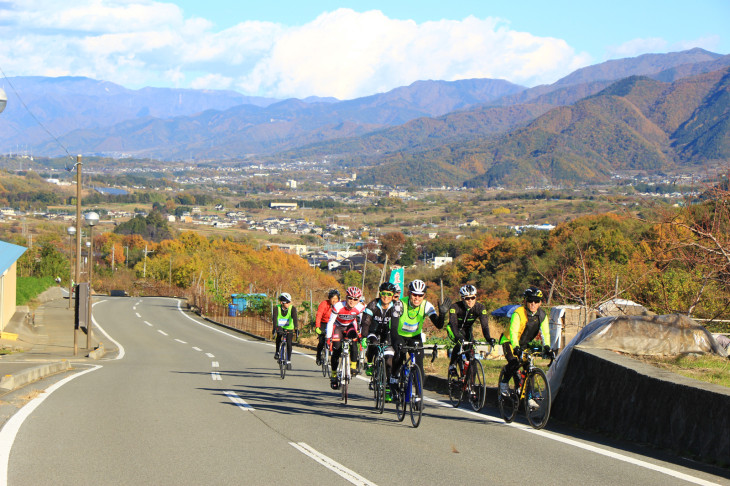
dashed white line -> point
(238, 401)
(162, 332)
(196, 348)
(149, 324)
(137, 314)
(215, 364)
(216, 376)
(210, 355)
(331, 464)
(180, 341)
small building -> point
(9, 255)
(283, 206)
(441, 261)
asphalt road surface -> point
(186, 402)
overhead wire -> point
(68, 169)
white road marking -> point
(137, 313)
(162, 332)
(196, 348)
(216, 376)
(210, 355)
(580, 445)
(332, 465)
(149, 324)
(180, 341)
(215, 364)
(121, 352)
(209, 327)
(238, 401)
(12, 426)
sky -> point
(345, 49)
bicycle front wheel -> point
(455, 388)
(379, 384)
(537, 398)
(326, 363)
(415, 404)
(400, 396)
(476, 389)
(508, 403)
(282, 359)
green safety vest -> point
(284, 321)
(411, 325)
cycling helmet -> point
(387, 287)
(467, 290)
(332, 293)
(285, 297)
(354, 293)
(417, 287)
(533, 293)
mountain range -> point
(652, 112)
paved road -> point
(189, 403)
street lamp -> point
(91, 219)
(71, 230)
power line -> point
(36, 119)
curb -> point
(12, 382)
(98, 352)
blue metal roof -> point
(9, 254)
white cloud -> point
(636, 47)
(342, 53)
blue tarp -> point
(505, 311)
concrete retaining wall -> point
(622, 397)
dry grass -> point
(29, 396)
(709, 368)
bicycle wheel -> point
(282, 359)
(455, 388)
(537, 398)
(400, 396)
(476, 389)
(415, 403)
(326, 363)
(379, 383)
(508, 404)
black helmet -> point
(332, 293)
(387, 286)
(533, 293)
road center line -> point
(215, 364)
(332, 465)
(149, 324)
(196, 348)
(137, 314)
(216, 376)
(162, 332)
(180, 341)
(210, 355)
(238, 401)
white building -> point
(440, 261)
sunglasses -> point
(533, 301)
(352, 298)
(470, 298)
(417, 295)
(386, 294)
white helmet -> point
(285, 297)
(417, 287)
(467, 290)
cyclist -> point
(323, 317)
(284, 318)
(344, 322)
(378, 318)
(408, 330)
(462, 316)
(524, 325)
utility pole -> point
(112, 257)
(78, 242)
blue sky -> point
(344, 49)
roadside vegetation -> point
(28, 288)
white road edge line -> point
(233, 396)
(580, 445)
(332, 465)
(12, 426)
(122, 352)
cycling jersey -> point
(324, 310)
(378, 321)
(344, 316)
(286, 321)
(410, 323)
(462, 318)
(523, 327)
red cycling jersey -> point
(344, 316)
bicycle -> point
(344, 373)
(378, 378)
(283, 361)
(326, 362)
(409, 389)
(532, 388)
(471, 380)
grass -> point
(28, 288)
(708, 368)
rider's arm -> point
(274, 316)
(484, 321)
(514, 329)
(294, 317)
(320, 313)
(545, 331)
(331, 323)
(367, 323)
